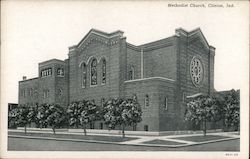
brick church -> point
(162, 74)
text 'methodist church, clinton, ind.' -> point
(162, 74)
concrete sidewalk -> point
(142, 140)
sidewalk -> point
(162, 141)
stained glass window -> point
(196, 71)
(84, 75)
(103, 71)
(93, 71)
(146, 101)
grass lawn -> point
(70, 136)
(163, 142)
(201, 138)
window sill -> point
(93, 85)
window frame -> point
(61, 73)
(104, 71)
(131, 73)
(166, 103)
(83, 75)
(91, 76)
(146, 101)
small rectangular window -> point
(92, 126)
(145, 127)
(102, 102)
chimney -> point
(24, 78)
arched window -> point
(103, 71)
(93, 72)
(83, 75)
(146, 102)
(131, 73)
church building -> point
(162, 74)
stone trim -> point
(150, 78)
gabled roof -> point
(195, 32)
(102, 34)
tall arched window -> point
(103, 71)
(131, 73)
(146, 102)
(93, 72)
(83, 75)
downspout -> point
(142, 71)
(209, 71)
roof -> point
(195, 32)
(51, 61)
(102, 34)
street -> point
(21, 144)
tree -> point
(231, 109)
(112, 112)
(123, 112)
(32, 114)
(42, 115)
(202, 109)
(88, 113)
(74, 114)
(56, 116)
(22, 116)
(12, 118)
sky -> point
(32, 32)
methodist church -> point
(162, 74)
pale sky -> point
(33, 32)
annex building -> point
(162, 74)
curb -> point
(120, 143)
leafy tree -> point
(88, 113)
(32, 114)
(112, 112)
(74, 114)
(12, 118)
(42, 115)
(123, 112)
(202, 109)
(56, 116)
(22, 116)
(231, 109)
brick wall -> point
(28, 91)
(188, 47)
(160, 60)
(114, 55)
(155, 89)
(134, 59)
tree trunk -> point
(54, 131)
(25, 129)
(204, 127)
(123, 130)
(85, 132)
(239, 129)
